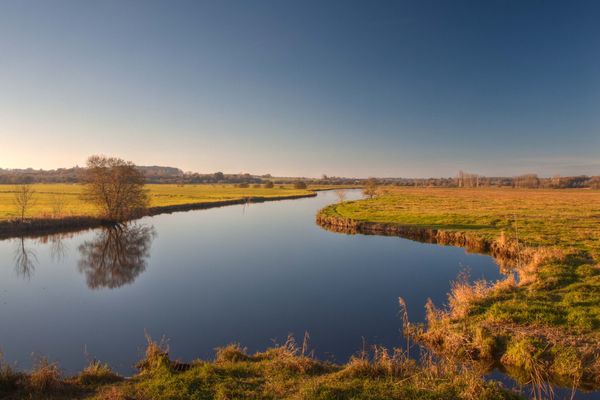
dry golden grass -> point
(45, 377)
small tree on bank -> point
(341, 195)
(23, 200)
(370, 189)
(116, 187)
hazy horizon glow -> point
(347, 88)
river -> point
(249, 274)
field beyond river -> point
(65, 200)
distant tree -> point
(57, 201)
(371, 186)
(341, 195)
(219, 176)
(529, 181)
(269, 184)
(300, 185)
(23, 200)
(469, 180)
(116, 187)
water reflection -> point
(25, 260)
(116, 256)
(58, 249)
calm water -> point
(248, 274)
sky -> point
(303, 88)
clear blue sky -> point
(398, 88)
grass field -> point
(550, 313)
(565, 218)
(47, 196)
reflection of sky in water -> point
(248, 274)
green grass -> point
(565, 218)
(281, 372)
(48, 195)
(558, 236)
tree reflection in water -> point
(25, 260)
(116, 256)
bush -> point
(300, 185)
(269, 185)
(243, 185)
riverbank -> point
(75, 215)
(282, 372)
(544, 318)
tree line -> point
(525, 181)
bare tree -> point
(23, 200)
(370, 189)
(341, 194)
(57, 201)
(116, 187)
(529, 181)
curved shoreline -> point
(505, 252)
(46, 226)
(511, 256)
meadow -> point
(65, 200)
(544, 318)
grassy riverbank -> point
(61, 208)
(546, 320)
(283, 372)
(64, 200)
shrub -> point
(269, 185)
(300, 185)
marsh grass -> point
(97, 373)
(9, 378)
(45, 376)
(286, 371)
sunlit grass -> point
(47, 196)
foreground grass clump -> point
(282, 372)
(545, 316)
